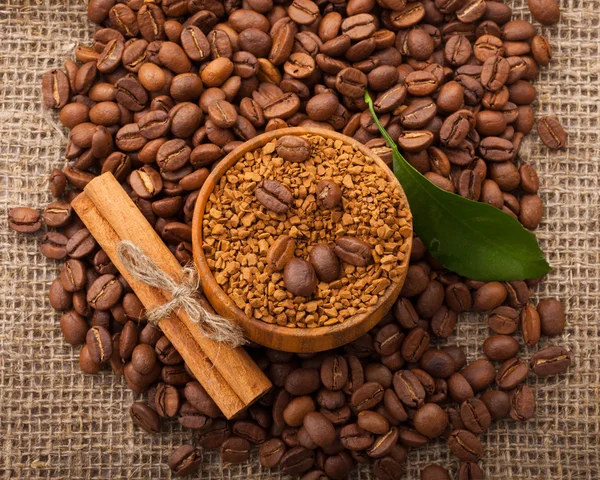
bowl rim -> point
(291, 338)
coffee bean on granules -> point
(241, 228)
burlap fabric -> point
(58, 423)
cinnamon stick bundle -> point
(229, 375)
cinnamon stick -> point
(235, 365)
(177, 333)
(117, 210)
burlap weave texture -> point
(58, 423)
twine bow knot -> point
(184, 295)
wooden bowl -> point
(275, 336)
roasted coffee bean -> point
(541, 50)
(330, 399)
(530, 325)
(552, 317)
(517, 293)
(480, 374)
(299, 65)
(325, 262)
(415, 140)
(222, 113)
(469, 185)
(175, 375)
(552, 360)
(417, 280)
(404, 313)
(456, 128)
(435, 472)
(458, 355)
(73, 327)
(292, 148)
(421, 83)
(166, 352)
(55, 89)
(198, 398)
(297, 459)
(173, 155)
(353, 251)
(522, 403)
(458, 297)
(73, 275)
(105, 292)
(57, 214)
(531, 211)
(437, 363)
(387, 468)
(469, 471)
(373, 422)
(383, 444)
(146, 182)
(24, 220)
(319, 428)
(465, 446)
(58, 182)
(99, 344)
(489, 296)
(329, 194)
(430, 300)
(86, 363)
(53, 245)
(547, 12)
(270, 452)
(409, 389)
(388, 340)
(459, 389)
(213, 435)
(497, 403)
(296, 409)
(475, 416)
(355, 438)
(411, 438)
(504, 320)
(299, 277)
(303, 381)
(281, 252)
(334, 372)
(339, 466)
(129, 340)
(143, 359)
(351, 82)
(167, 400)
(250, 431)
(499, 348)
(430, 420)
(511, 373)
(144, 417)
(185, 460)
(414, 345)
(358, 27)
(274, 196)
(367, 396)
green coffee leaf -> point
(473, 239)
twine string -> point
(184, 295)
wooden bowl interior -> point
(275, 336)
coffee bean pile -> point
(169, 87)
(306, 243)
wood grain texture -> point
(274, 336)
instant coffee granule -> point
(238, 231)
